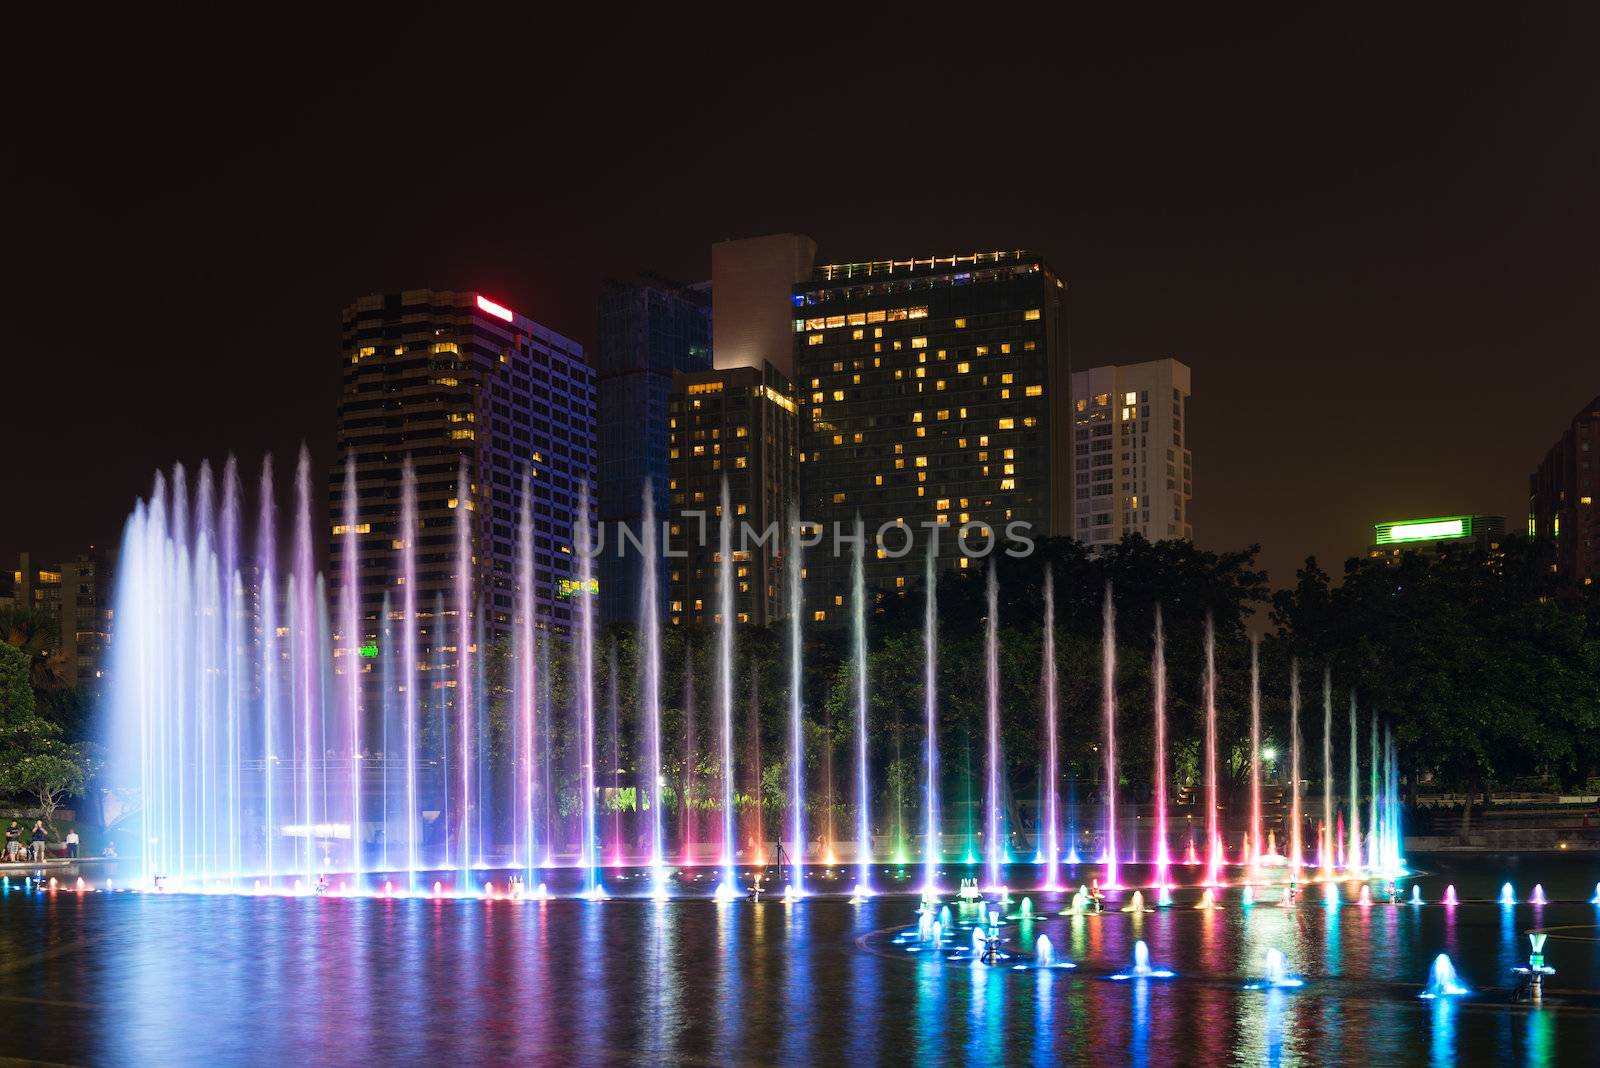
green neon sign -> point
(370, 650)
(573, 587)
(1441, 529)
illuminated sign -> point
(1455, 526)
(496, 310)
(370, 650)
(571, 587)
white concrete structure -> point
(1133, 472)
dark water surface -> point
(174, 979)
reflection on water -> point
(223, 980)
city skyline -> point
(1169, 251)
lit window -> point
(961, 324)
(1008, 423)
(819, 616)
(814, 339)
(1031, 314)
(1034, 391)
(838, 498)
(359, 528)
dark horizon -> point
(1370, 238)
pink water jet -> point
(1159, 670)
(1296, 817)
(1108, 685)
(1213, 835)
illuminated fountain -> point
(1158, 671)
(994, 846)
(264, 747)
(1442, 980)
(1141, 966)
(797, 762)
(858, 642)
(930, 699)
(650, 624)
(1052, 827)
(1352, 853)
(1213, 835)
(1275, 974)
(1296, 817)
(729, 887)
(1325, 857)
(1253, 859)
(1108, 683)
(588, 857)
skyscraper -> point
(738, 420)
(650, 329)
(736, 424)
(1130, 452)
(931, 391)
(1561, 496)
(451, 379)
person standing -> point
(38, 838)
(72, 844)
(13, 842)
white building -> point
(1132, 469)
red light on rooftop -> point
(496, 310)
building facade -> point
(650, 329)
(932, 391)
(1132, 469)
(1561, 496)
(73, 601)
(737, 421)
(455, 380)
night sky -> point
(1372, 237)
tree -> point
(36, 762)
(16, 691)
(34, 633)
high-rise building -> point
(752, 281)
(738, 420)
(931, 391)
(73, 606)
(736, 424)
(36, 588)
(85, 615)
(1134, 473)
(1562, 494)
(650, 329)
(452, 379)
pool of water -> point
(181, 979)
